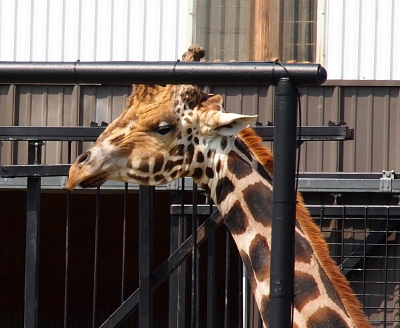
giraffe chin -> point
(94, 181)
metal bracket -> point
(386, 181)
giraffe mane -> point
(310, 229)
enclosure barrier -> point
(286, 77)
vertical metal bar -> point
(177, 280)
(32, 252)
(385, 311)
(364, 257)
(124, 242)
(227, 275)
(96, 245)
(246, 287)
(146, 215)
(240, 293)
(32, 240)
(342, 238)
(284, 203)
(174, 277)
(211, 282)
(183, 268)
(66, 265)
(195, 264)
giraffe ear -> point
(230, 124)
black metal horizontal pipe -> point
(169, 72)
(80, 133)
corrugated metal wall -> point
(361, 39)
(94, 30)
(373, 112)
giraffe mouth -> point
(94, 181)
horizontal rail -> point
(64, 133)
(173, 72)
(311, 133)
(328, 211)
(50, 133)
(337, 182)
(13, 171)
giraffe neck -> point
(242, 189)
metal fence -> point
(167, 277)
(81, 267)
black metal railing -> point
(357, 235)
(286, 78)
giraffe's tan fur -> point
(171, 131)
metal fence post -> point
(32, 240)
(283, 218)
(146, 215)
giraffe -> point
(173, 131)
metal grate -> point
(364, 241)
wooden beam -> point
(260, 29)
(275, 29)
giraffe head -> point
(165, 133)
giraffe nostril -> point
(82, 157)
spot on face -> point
(305, 289)
(200, 157)
(144, 165)
(158, 163)
(260, 255)
(190, 153)
(209, 173)
(326, 318)
(172, 164)
(258, 198)
(197, 174)
(159, 178)
(218, 167)
(236, 220)
(237, 166)
(224, 143)
(177, 150)
(211, 153)
(174, 174)
(224, 188)
(142, 180)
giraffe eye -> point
(164, 129)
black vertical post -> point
(177, 279)
(146, 215)
(32, 240)
(284, 205)
(211, 282)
